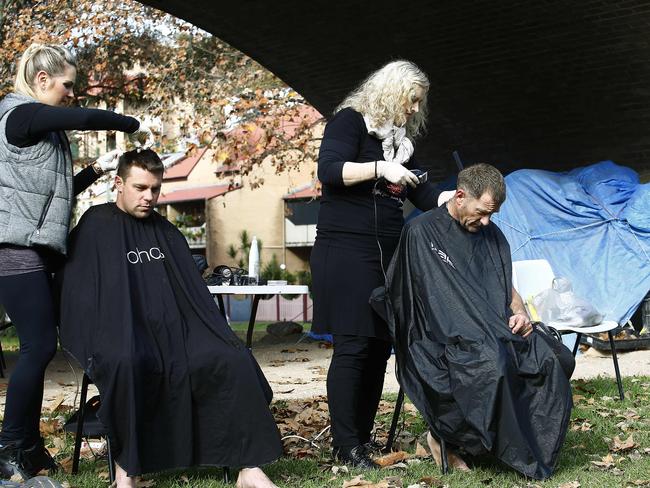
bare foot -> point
(254, 478)
(454, 460)
(122, 480)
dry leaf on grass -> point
(145, 483)
(421, 451)
(570, 484)
(582, 427)
(392, 458)
(50, 427)
(605, 463)
(66, 464)
(356, 481)
(390, 482)
(53, 450)
(56, 403)
(638, 483)
(430, 481)
(619, 446)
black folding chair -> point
(86, 424)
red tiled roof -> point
(310, 192)
(195, 193)
(184, 167)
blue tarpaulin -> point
(593, 226)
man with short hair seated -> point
(483, 377)
(177, 387)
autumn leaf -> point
(605, 463)
(421, 451)
(619, 446)
(392, 458)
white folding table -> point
(257, 291)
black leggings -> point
(27, 298)
(355, 381)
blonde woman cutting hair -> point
(37, 190)
(366, 166)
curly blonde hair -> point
(384, 94)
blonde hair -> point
(41, 57)
(384, 94)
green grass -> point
(261, 326)
(596, 420)
(9, 339)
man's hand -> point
(520, 324)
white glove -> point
(445, 196)
(396, 173)
(108, 162)
(143, 137)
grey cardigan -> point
(35, 186)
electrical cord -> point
(381, 251)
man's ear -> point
(119, 183)
(460, 196)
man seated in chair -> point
(484, 378)
(177, 387)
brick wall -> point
(518, 83)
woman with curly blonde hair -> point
(366, 166)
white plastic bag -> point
(559, 304)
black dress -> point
(178, 388)
(345, 260)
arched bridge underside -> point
(518, 83)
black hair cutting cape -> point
(177, 387)
(476, 384)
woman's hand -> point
(107, 162)
(143, 137)
(396, 173)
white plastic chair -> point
(533, 276)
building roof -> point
(183, 168)
(310, 191)
(194, 193)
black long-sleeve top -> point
(346, 211)
(27, 124)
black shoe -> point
(373, 447)
(36, 459)
(356, 456)
(11, 462)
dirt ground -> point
(297, 368)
